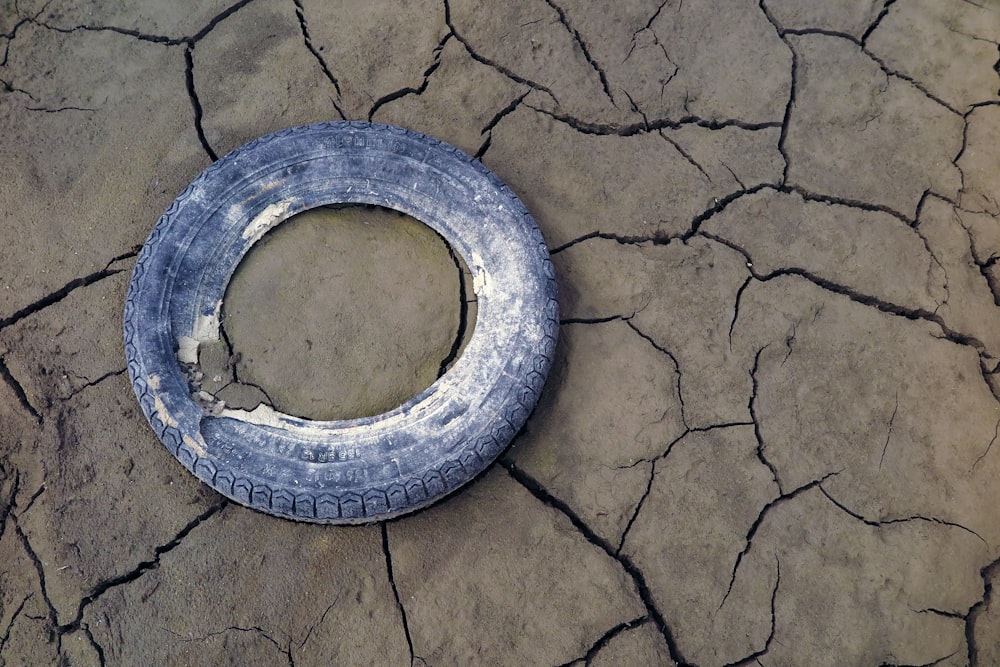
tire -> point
(358, 470)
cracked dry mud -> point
(769, 437)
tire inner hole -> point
(340, 312)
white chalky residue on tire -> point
(265, 220)
(480, 278)
(187, 350)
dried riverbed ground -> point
(770, 434)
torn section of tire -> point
(358, 470)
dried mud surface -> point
(769, 438)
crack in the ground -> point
(888, 435)
(128, 254)
(285, 650)
(489, 63)
(687, 156)
(888, 71)
(13, 619)
(322, 618)
(9, 87)
(784, 188)
(409, 90)
(996, 432)
(300, 12)
(652, 19)
(732, 173)
(962, 149)
(755, 526)
(669, 355)
(603, 640)
(982, 264)
(138, 571)
(9, 36)
(493, 122)
(636, 109)
(939, 612)
(578, 38)
(758, 654)
(755, 385)
(59, 109)
(637, 508)
(961, 152)
(786, 118)
(188, 42)
(42, 303)
(720, 204)
(878, 20)
(652, 472)
(938, 661)
(127, 32)
(646, 126)
(607, 236)
(31, 501)
(500, 115)
(98, 649)
(844, 201)
(64, 291)
(985, 372)
(395, 592)
(927, 193)
(969, 34)
(234, 362)
(91, 383)
(638, 579)
(11, 500)
(56, 631)
(789, 340)
(656, 40)
(463, 313)
(196, 103)
(913, 314)
(665, 80)
(157, 39)
(592, 320)
(996, 68)
(19, 392)
(987, 574)
(991, 281)
(888, 522)
(946, 283)
(736, 309)
(697, 429)
(51, 616)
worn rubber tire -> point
(359, 470)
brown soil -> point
(769, 435)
